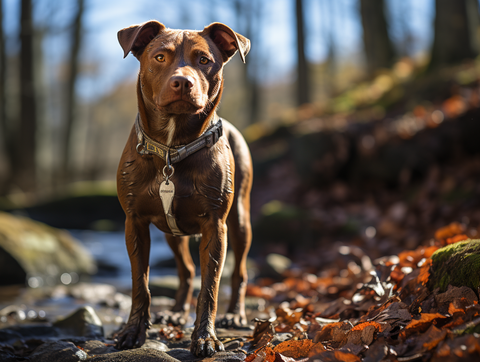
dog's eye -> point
(160, 58)
(204, 60)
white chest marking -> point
(170, 131)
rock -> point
(84, 322)
(167, 285)
(58, 351)
(275, 265)
(457, 265)
(164, 264)
(27, 331)
(229, 266)
(180, 354)
(90, 206)
(134, 355)
(98, 293)
(94, 347)
(34, 252)
(184, 355)
(153, 344)
(280, 223)
(7, 336)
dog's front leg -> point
(137, 235)
(212, 257)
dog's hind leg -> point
(240, 236)
(186, 272)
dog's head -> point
(181, 71)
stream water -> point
(24, 304)
(110, 252)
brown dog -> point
(185, 171)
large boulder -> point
(457, 265)
(38, 254)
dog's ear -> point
(227, 40)
(136, 37)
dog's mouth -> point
(181, 105)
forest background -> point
(349, 106)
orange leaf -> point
(295, 349)
(361, 326)
(452, 309)
(316, 349)
(443, 351)
(457, 238)
(424, 273)
(435, 337)
(425, 318)
(454, 106)
(346, 357)
(448, 231)
(262, 355)
(455, 323)
(428, 252)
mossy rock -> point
(456, 264)
(37, 252)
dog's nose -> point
(180, 82)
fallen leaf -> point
(295, 349)
(361, 326)
(263, 332)
(452, 309)
(335, 356)
(457, 238)
(264, 354)
(449, 231)
(435, 336)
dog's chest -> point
(194, 194)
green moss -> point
(457, 264)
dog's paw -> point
(168, 317)
(206, 345)
(232, 321)
(132, 335)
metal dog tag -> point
(167, 191)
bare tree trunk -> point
(249, 14)
(70, 102)
(377, 43)
(453, 32)
(3, 58)
(24, 166)
(4, 143)
(331, 62)
(303, 81)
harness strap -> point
(177, 153)
(172, 224)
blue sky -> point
(277, 41)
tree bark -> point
(70, 102)
(4, 139)
(454, 32)
(24, 165)
(376, 40)
(3, 113)
(249, 13)
(303, 74)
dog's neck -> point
(175, 129)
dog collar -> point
(176, 154)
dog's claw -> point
(169, 317)
(206, 347)
(232, 321)
(132, 335)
